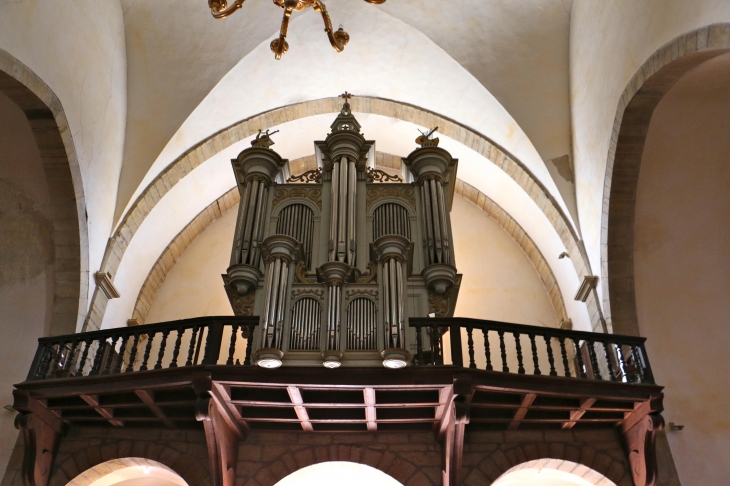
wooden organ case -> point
(336, 260)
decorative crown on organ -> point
(336, 260)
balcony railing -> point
(188, 342)
(458, 342)
(521, 349)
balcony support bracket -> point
(640, 442)
(453, 440)
(222, 440)
(42, 432)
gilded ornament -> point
(314, 195)
(300, 272)
(400, 192)
(438, 303)
(319, 293)
(371, 292)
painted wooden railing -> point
(521, 349)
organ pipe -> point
(250, 225)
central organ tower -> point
(337, 259)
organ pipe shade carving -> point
(297, 221)
(391, 219)
(305, 324)
(362, 325)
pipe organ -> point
(336, 260)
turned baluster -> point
(611, 374)
(147, 350)
(439, 346)
(133, 354)
(564, 355)
(518, 346)
(95, 368)
(45, 362)
(120, 358)
(621, 363)
(84, 357)
(487, 350)
(249, 341)
(419, 345)
(502, 350)
(110, 356)
(534, 354)
(161, 353)
(191, 347)
(639, 371)
(70, 357)
(232, 347)
(549, 346)
(594, 360)
(579, 357)
(56, 360)
(176, 351)
(470, 343)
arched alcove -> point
(552, 472)
(339, 472)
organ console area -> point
(336, 260)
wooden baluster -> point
(147, 350)
(176, 351)
(470, 343)
(45, 362)
(249, 341)
(621, 363)
(70, 357)
(133, 354)
(534, 354)
(518, 346)
(419, 345)
(56, 360)
(161, 354)
(611, 374)
(646, 367)
(84, 357)
(120, 357)
(579, 357)
(440, 346)
(487, 351)
(549, 346)
(95, 368)
(110, 355)
(637, 365)
(505, 368)
(191, 347)
(564, 355)
(232, 347)
(594, 361)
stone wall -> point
(264, 458)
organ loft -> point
(336, 260)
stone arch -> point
(94, 473)
(204, 150)
(574, 469)
(55, 143)
(192, 466)
(390, 463)
(634, 112)
(497, 463)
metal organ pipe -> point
(249, 226)
(434, 217)
(305, 325)
(277, 279)
(297, 221)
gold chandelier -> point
(339, 38)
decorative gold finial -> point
(263, 139)
(425, 139)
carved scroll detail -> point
(438, 303)
(376, 175)
(314, 195)
(319, 293)
(370, 276)
(374, 194)
(243, 304)
(314, 175)
(640, 441)
(300, 272)
(41, 443)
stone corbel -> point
(640, 443)
(42, 431)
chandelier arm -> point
(218, 8)
(337, 44)
(279, 46)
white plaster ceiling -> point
(516, 51)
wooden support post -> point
(42, 431)
(453, 441)
(222, 442)
(640, 429)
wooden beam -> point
(296, 398)
(446, 395)
(148, 398)
(93, 400)
(522, 411)
(370, 413)
(575, 415)
(229, 411)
